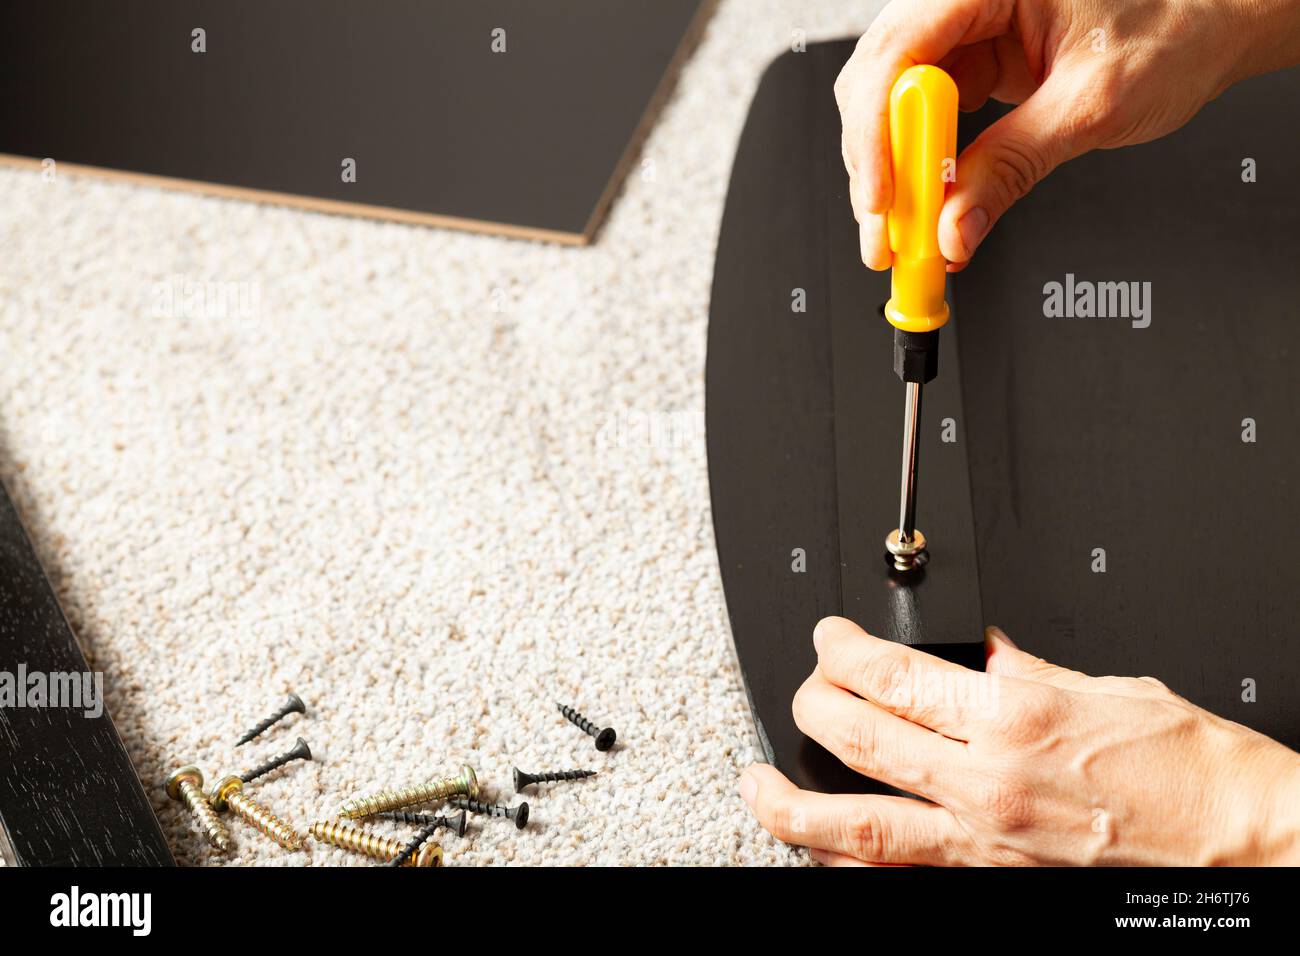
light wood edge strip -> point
(312, 203)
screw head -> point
(521, 816)
(295, 705)
(907, 554)
(521, 780)
(605, 739)
(471, 780)
(429, 855)
(222, 789)
(301, 750)
(191, 773)
(460, 823)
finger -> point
(974, 69)
(867, 827)
(831, 858)
(916, 686)
(879, 744)
(1008, 159)
(873, 235)
(906, 32)
(1007, 659)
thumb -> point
(1010, 661)
(1008, 159)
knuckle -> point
(1156, 683)
(1017, 166)
(860, 745)
(1025, 718)
(1008, 803)
(862, 834)
(844, 86)
(881, 677)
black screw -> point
(519, 814)
(605, 737)
(456, 824)
(292, 705)
(523, 780)
(416, 842)
(300, 751)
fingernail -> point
(863, 240)
(972, 227)
(748, 788)
(819, 634)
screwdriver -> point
(922, 145)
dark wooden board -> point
(68, 793)
(530, 142)
(1089, 433)
(1075, 433)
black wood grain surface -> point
(68, 793)
(1077, 434)
(437, 122)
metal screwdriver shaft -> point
(907, 504)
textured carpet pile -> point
(432, 482)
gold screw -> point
(186, 785)
(230, 793)
(372, 845)
(465, 784)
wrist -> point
(1264, 825)
(1279, 836)
(1269, 35)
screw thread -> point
(263, 820)
(419, 819)
(361, 841)
(477, 806)
(438, 789)
(579, 721)
(213, 829)
(404, 855)
(300, 751)
(554, 775)
(293, 705)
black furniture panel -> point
(530, 141)
(1074, 434)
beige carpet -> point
(432, 482)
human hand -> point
(1088, 74)
(1027, 763)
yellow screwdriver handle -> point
(922, 147)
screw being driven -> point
(908, 553)
(408, 851)
(605, 737)
(372, 845)
(456, 824)
(186, 785)
(292, 705)
(518, 814)
(229, 792)
(300, 751)
(465, 783)
(523, 780)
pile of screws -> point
(460, 792)
(186, 785)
